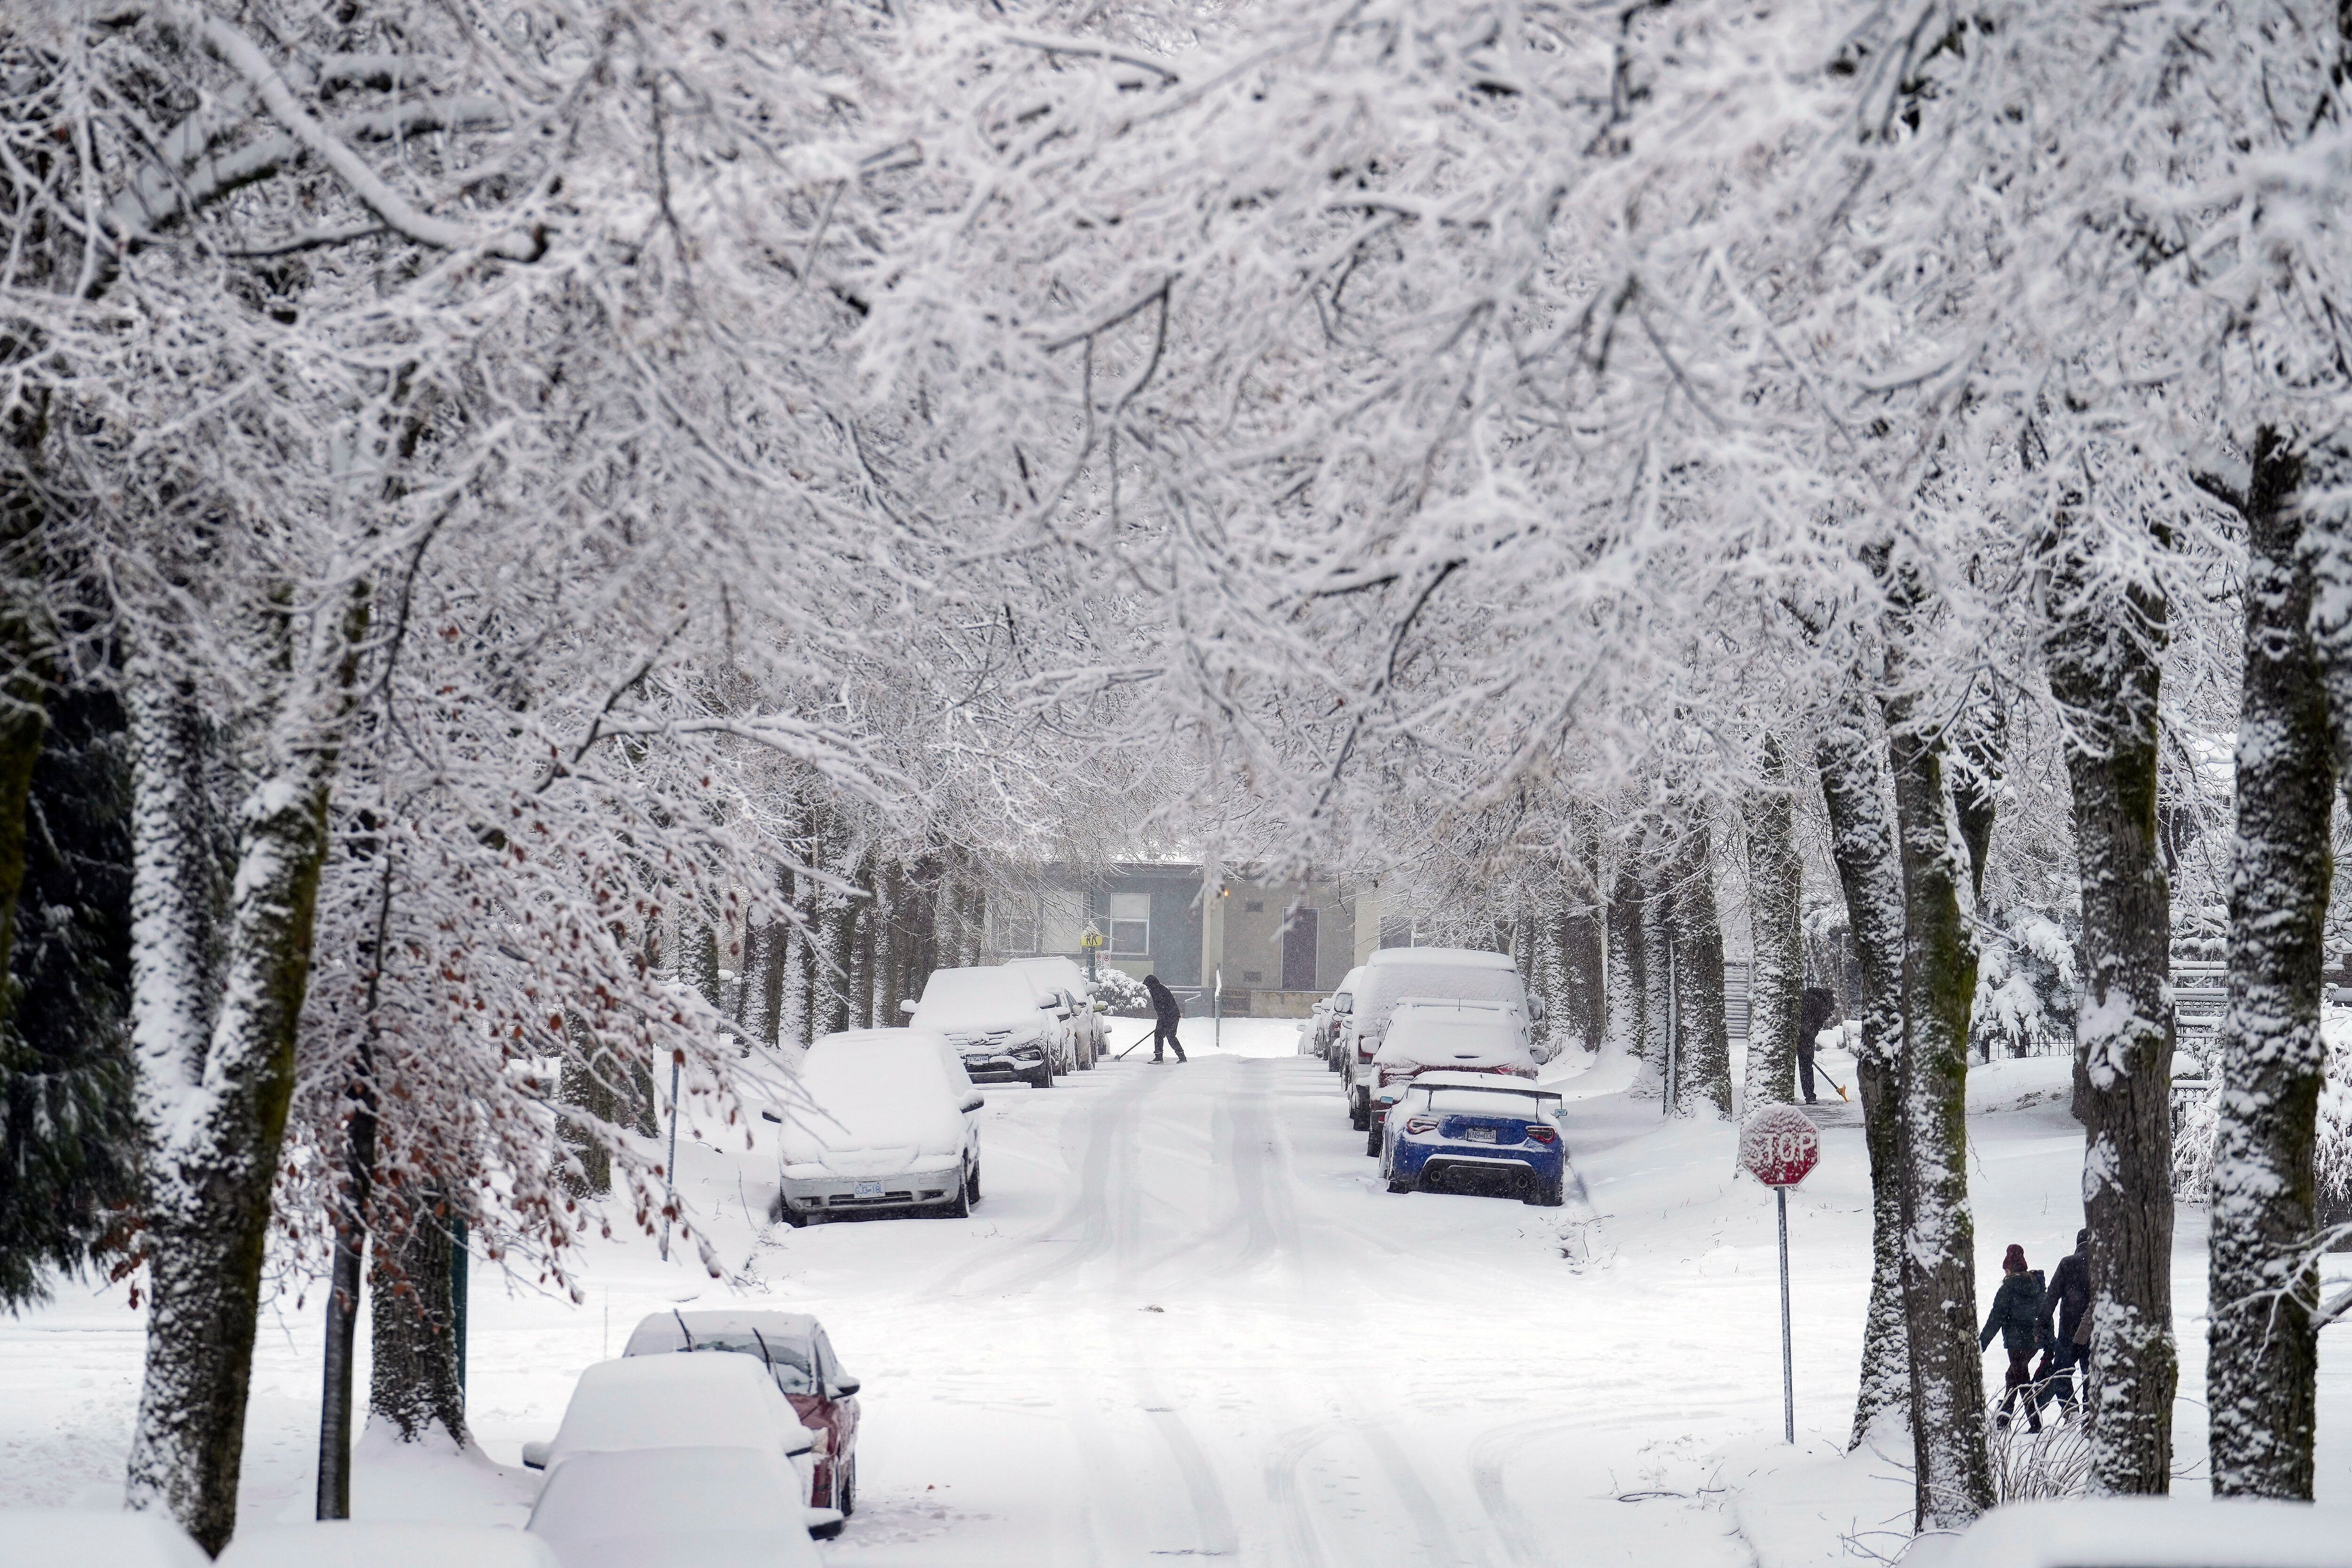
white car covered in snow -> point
(1005, 1032)
(886, 1122)
(1425, 1035)
(1444, 973)
(706, 1507)
(637, 1405)
(1062, 986)
(2148, 1532)
(386, 1544)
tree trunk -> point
(1862, 844)
(214, 1096)
(2104, 656)
(1626, 995)
(1776, 903)
(344, 1273)
(1657, 1001)
(1954, 1475)
(2260, 1376)
(1582, 938)
(587, 1083)
(414, 1386)
(1703, 1077)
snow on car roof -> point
(891, 1091)
(1052, 969)
(673, 1400)
(980, 996)
(74, 1535)
(2156, 1532)
(1435, 1035)
(696, 1497)
(1456, 957)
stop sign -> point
(1778, 1145)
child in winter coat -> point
(2016, 1318)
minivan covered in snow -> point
(1440, 973)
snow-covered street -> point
(1186, 1321)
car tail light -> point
(1542, 1135)
(1421, 1124)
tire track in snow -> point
(1489, 1452)
(1291, 1513)
(1110, 1125)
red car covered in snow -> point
(793, 1347)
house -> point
(1281, 945)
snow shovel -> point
(1824, 1074)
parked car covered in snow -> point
(1446, 973)
(56, 1537)
(387, 1544)
(703, 1507)
(1475, 1132)
(1326, 1019)
(639, 1403)
(996, 1023)
(2150, 1532)
(1429, 1036)
(795, 1350)
(888, 1124)
(1058, 980)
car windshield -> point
(1488, 1102)
(789, 1360)
(975, 999)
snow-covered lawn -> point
(1186, 1321)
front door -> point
(1298, 951)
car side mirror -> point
(847, 1386)
(534, 1456)
(908, 1006)
(975, 1102)
(1342, 1004)
(771, 1116)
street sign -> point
(1091, 939)
(1779, 1146)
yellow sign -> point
(1091, 939)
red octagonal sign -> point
(1778, 1145)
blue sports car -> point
(1475, 1132)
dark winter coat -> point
(2015, 1308)
(1164, 1006)
(2069, 1296)
(1818, 1006)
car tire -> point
(1551, 1196)
(971, 1185)
(1359, 1115)
(959, 1205)
(783, 1210)
(1371, 1138)
(1403, 1185)
(1044, 1077)
(845, 1496)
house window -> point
(1130, 924)
(1016, 925)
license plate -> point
(874, 1189)
(1478, 1134)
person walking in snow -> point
(1167, 1012)
(2016, 1308)
(1813, 1016)
(2068, 1301)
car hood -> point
(886, 1132)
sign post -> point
(1779, 1146)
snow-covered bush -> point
(1123, 992)
(2026, 989)
(2192, 1136)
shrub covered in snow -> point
(1123, 992)
(2029, 1466)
